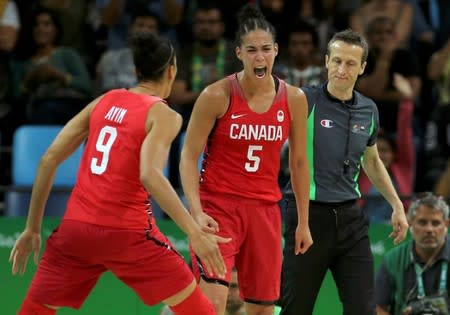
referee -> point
(342, 133)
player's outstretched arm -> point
(66, 142)
(163, 124)
(211, 104)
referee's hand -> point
(399, 224)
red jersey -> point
(108, 190)
(242, 157)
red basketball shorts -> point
(255, 249)
(77, 253)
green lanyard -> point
(442, 280)
(197, 64)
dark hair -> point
(352, 38)
(143, 11)
(53, 16)
(250, 19)
(208, 6)
(152, 54)
(389, 139)
(303, 26)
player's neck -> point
(149, 88)
(252, 85)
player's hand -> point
(26, 243)
(207, 223)
(303, 239)
(399, 224)
(206, 247)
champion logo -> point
(326, 123)
(234, 116)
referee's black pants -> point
(341, 244)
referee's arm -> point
(379, 177)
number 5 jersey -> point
(242, 156)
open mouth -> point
(260, 72)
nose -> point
(341, 69)
(259, 55)
(428, 227)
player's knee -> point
(194, 304)
(32, 308)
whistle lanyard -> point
(197, 64)
(442, 279)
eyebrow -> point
(263, 46)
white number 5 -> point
(104, 148)
(253, 165)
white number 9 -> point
(104, 148)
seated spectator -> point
(398, 11)
(116, 15)
(53, 80)
(398, 156)
(116, 68)
(299, 67)
(209, 57)
(437, 143)
(385, 59)
(413, 277)
(10, 115)
(442, 187)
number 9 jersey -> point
(242, 156)
(110, 164)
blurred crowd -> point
(56, 55)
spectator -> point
(9, 29)
(385, 59)
(116, 68)
(438, 136)
(414, 276)
(116, 15)
(442, 187)
(53, 80)
(398, 157)
(298, 68)
(399, 12)
(207, 59)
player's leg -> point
(190, 301)
(29, 307)
(158, 273)
(303, 274)
(259, 261)
(63, 278)
(228, 214)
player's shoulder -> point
(217, 90)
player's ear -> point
(237, 50)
